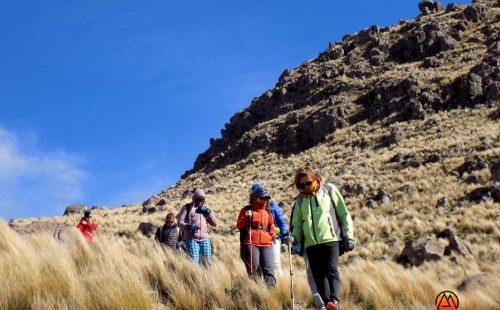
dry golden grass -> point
(137, 273)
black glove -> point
(348, 245)
(192, 227)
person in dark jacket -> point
(281, 229)
(168, 234)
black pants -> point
(262, 263)
(324, 260)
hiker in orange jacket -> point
(256, 225)
(86, 226)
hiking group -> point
(321, 230)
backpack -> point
(244, 230)
(342, 243)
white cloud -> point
(35, 182)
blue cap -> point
(255, 187)
(260, 193)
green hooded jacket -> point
(314, 218)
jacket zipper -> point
(312, 219)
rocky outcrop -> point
(360, 78)
(147, 229)
(423, 249)
(58, 231)
(75, 209)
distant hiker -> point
(321, 220)
(281, 229)
(86, 226)
(193, 219)
(168, 234)
(256, 225)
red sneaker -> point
(331, 306)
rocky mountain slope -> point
(405, 121)
(439, 61)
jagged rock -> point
(421, 250)
(382, 196)
(426, 6)
(471, 164)
(370, 204)
(454, 243)
(495, 172)
(461, 26)
(75, 209)
(431, 62)
(397, 136)
(432, 158)
(453, 7)
(475, 86)
(442, 202)
(474, 13)
(353, 189)
(56, 230)
(478, 281)
(162, 202)
(485, 192)
(147, 229)
(472, 179)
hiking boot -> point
(332, 306)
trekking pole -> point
(292, 295)
(250, 246)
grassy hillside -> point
(149, 277)
(410, 137)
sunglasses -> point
(170, 222)
(199, 199)
(304, 185)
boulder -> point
(453, 7)
(471, 164)
(382, 196)
(426, 6)
(147, 229)
(455, 244)
(478, 281)
(75, 209)
(474, 13)
(58, 231)
(472, 179)
(442, 202)
(485, 192)
(495, 172)
(421, 250)
(162, 202)
(396, 136)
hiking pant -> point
(262, 263)
(318, 301)
(324, 259)
(199, 249)
(277, 258)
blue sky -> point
(109, 102)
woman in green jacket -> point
(322, 223)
